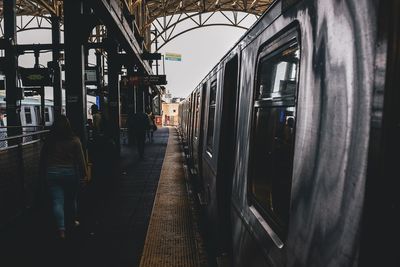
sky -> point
(201, 49)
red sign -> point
(158, 120)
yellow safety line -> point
(171, 239)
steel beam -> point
(105, 9)
(12, 93)
(114, 67)
(74, 67)
(57, 81)
(130, 93)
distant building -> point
(170, 114)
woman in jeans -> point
(64, 164)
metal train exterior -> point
(30, 110)
(293, 138)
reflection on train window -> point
(46, 114)
(277, 75)
(273, 136)
(28, 115)
(211, 115)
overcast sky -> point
(201, 49)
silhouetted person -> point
(64, 165)
(138, 123)
(98, 122)
(152, 126)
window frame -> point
(210, 138)
(28, 108)
(267, 52)
(47, 114)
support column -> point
(74, 67)
(146, 98)
(100, 86)
(42, 93)
(114, 67)
(13, 94)
(130, 93)
(57, 81)
(140, 98)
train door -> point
(226, 157)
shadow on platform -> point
(113, 218)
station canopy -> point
(154, 8)
(161, 17)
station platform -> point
(143, 216)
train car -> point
(296, 134)
(30, 112)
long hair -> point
(61, 129)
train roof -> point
(27, 100)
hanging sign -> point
(143, 80)
(173, 57)
(91, 75)
(154, 80)
(151, 56)
(35, 77)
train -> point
(30, 114)
(293, 138)
(30, 111)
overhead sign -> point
(35, 77)
(151, 56)
(143, 80)
(173, 57)
(154, 80)
(91, 75)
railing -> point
(28, 133)
(20, 181)
(21, 184)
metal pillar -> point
(57, 81)
(100, 85)
(130, 93)
(74, 67)
(42, 96)
(114, 111)
(140, 98)
(135, 97)
(146, 97)
(13, 94)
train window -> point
(211, 115)
(272, 137)
(46, 114)
(197, 114)
(28, 115)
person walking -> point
(64, 165)
(152, 126)
(138, 123)
(98, 124)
